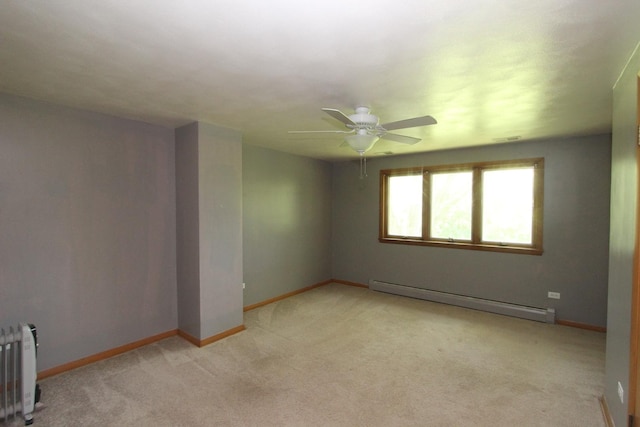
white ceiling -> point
(485, 69)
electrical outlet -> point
(553, 295)
(620, 392)
(242, 285)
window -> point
(494, 206)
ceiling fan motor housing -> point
(363, 119)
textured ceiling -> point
(486, 70)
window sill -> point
(524, 250)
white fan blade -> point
(339, 115)
(410, 123)
(400, 138)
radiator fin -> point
(18, 372)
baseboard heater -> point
(532, 313)
(18, 389)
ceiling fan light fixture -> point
(361, 142)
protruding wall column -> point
(209, 231)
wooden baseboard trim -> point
(206, 341)
(346, 282)
(193, 340)
(104, 354)
(604, 407)
(581, 325)
(222, 335)
(287, 295)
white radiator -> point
(547, 315)
(19, 391)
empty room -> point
(242, 213)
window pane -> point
(507, 205)
(451, 200)
(405, 206)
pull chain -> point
(363, 166)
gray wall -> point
(286, 223)
(576, 230)
(188, 229)
(220, 193)
(87, 228)
(623, 234)
(209, 229)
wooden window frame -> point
(535, 248)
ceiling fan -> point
(365, 130)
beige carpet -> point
(346, 356)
